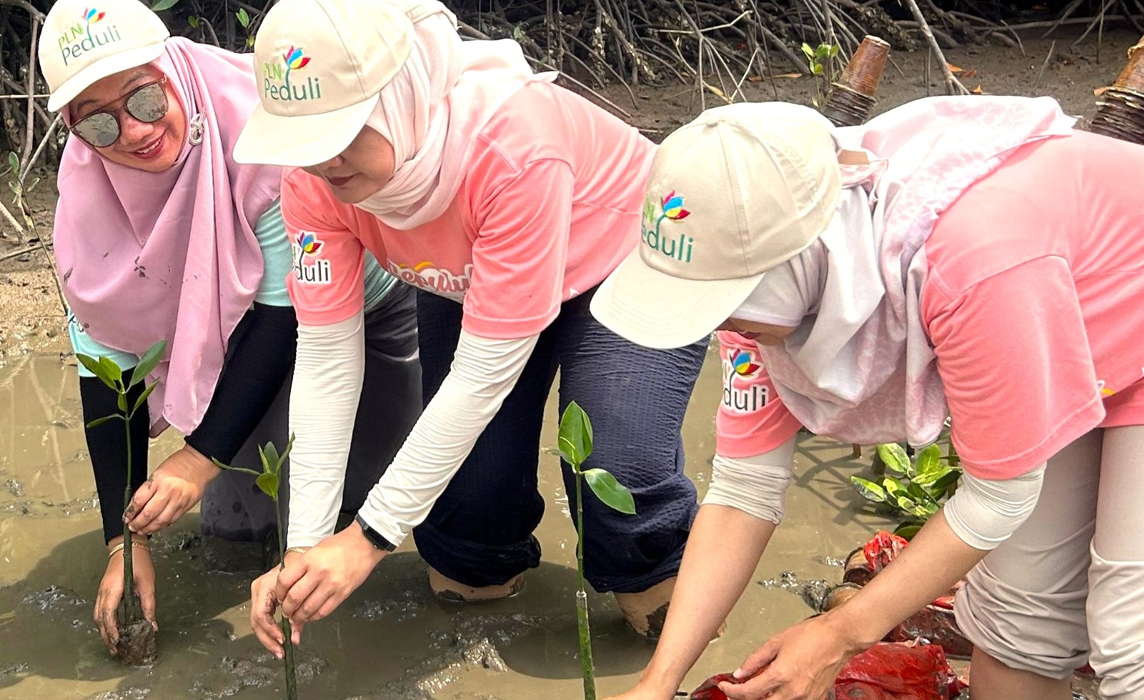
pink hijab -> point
(170, 256)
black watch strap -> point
(375, 537)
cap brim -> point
(300, 140)
(99, 70)
(659, 311)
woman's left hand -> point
(175, 487)
(313, 585)
(798, 664)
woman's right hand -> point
(263, 605)
(111, 592)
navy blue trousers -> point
(480, 531)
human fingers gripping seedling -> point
(269, 481)
(134, 637)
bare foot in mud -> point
(136, 644)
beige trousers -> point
(1068, 587)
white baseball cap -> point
(319, 66)
(83, 42)
(734, 193)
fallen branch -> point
(952, 85)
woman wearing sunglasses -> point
(976, 257)
(506, 199)
(160, 235)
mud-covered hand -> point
(110, 593)
(175, 487)
(263, 605)
(314, 585)
(800, 663)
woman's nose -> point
(133, 132)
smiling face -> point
(360, 170)
(153, 147)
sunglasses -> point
(146, 103)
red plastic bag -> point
(882, 549)
(884, 672)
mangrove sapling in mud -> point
(269, 481)
(136, 642)
(916, 488)
(575, 439)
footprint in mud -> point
(258, 669)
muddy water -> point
(392, 639)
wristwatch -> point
(375, 538)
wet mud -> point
(393, 639)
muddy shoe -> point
(454, 592)
(136, 645)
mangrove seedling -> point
(575, 439)
(820, 60)
(269, 481)
(136, 643)
(916, 488)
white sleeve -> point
(755, 485)
(324, 397)
(483, 373)
(984, 513)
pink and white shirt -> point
(550, 206)
(1031, 302)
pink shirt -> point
(1033, 305)
(550, 205)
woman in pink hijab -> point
(160, 235)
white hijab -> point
(431, 111)
(859, 367)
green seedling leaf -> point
(273, 461)
(122, 402)
(907, 530)
(869, 490)
(162, 5)
(31, 185)
(269, 484)
(250, 41)
(895, 458)
(265, 460)
(942, 483)
(614, 494)
(14, 163)
(807, 51)
(243, 18)
(816, 69)
(833, 51)
(241, 470)
(148, 362)
(286, 452)
(907, 504)
(142, 400)
(917, 493)
(193, 21)
(100, 421)
(894, 488)
(575, 435)
(92, 365)
(112, 369)
(928, 461)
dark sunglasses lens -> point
(148, 104)
(100, 130)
